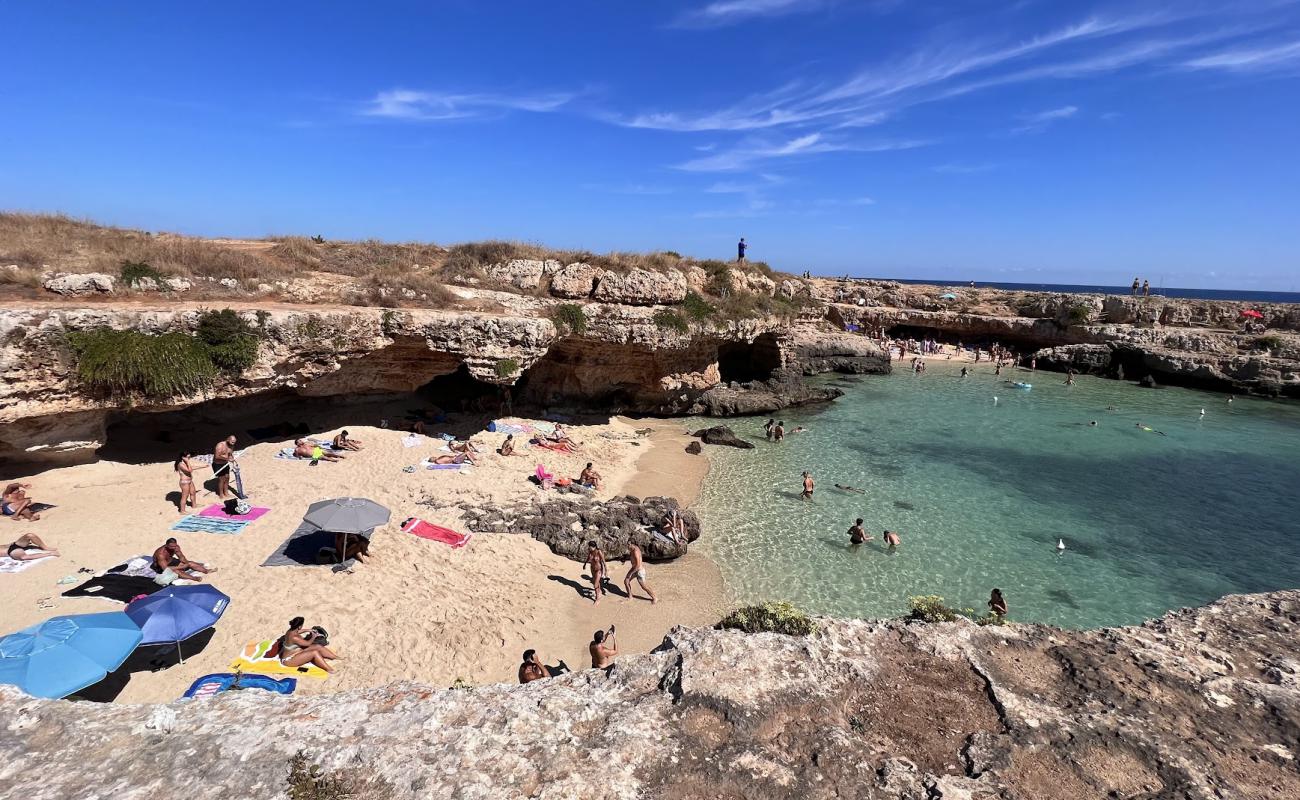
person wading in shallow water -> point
(858, 535)
(808, 487)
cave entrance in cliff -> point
(461, 391)
(749, 361)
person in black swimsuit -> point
(18, 551)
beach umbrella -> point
(1250, 312)
(66, 654)
(347, 515)
(177, 613)
(948, 296)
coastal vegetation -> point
(506, 367)
(158, 366)
(133, 273)
(933, 608)
(569, 317)
(665, 319)
(771, 617)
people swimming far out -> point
(1149, 429)
(964, 372)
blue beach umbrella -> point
(948, 296)
(177, 613)
(66, 654)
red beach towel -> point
(427, 530)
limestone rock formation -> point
(816, 351)
(574, 281)
(1201, 704)
(523, 273)
(783, 390)
(76, 285)
(722, 435)
(566, 525)
(642, 287)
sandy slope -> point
(419, 610)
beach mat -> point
(427, 464)
(254, 658)
(218, 511)
(38, 508)
(436, 533)
(140, 566)
(197, 524)
(8, 565)
(115, 587)
(301, 548)
(218, 682)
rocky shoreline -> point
(1201, 703)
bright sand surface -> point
(418, 610)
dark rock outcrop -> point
(694, 448)
(783, 390)
(566, 526)
(1201, 704)
(722, 435)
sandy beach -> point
(418, 610)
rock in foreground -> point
(1199, 704)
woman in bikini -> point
(15, 502)
(184, 468)
(28, 541)
(297, 648)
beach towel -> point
(510, 427)
(218, 682)
(218, 511)
(559, 447)
(8, 564)
(302, 548)
(196, 524)
(427, 530)
(412, 440)
(263, 658)
(121, 588)
(428, 464)
(140, 566)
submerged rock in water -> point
(566, 526)
(722, 435)
(904, 505)
(1200, 703)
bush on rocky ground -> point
(772, 617)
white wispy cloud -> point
(1250, 59)
(958, 168)
(729, 12)
(754, 151)
(1039, 121)
(432, 106)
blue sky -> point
(1017, 141)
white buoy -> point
(1060, 544)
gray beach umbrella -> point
(347, 515)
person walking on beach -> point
(997, 603)
(1146, 288)
(741, 247)
(1135, 287)
(604, 649)
(857, 534)
(636, 569)
(223, 462)
(807, 487)
(599, 574)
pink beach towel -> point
(427, 530)
(218, 510)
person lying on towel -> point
(305, 449)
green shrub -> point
(318, 239)
(1267, 343)
(775, 617)
(134, 363)
(133, 272)
(668, 320)
(231, 342)
(697, 308)
(1080, 313)
(506, 367)
(719, 283)
(570, 317)
(931, 608)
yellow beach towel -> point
(256, 657)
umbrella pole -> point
(179, 655)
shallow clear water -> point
(980, 493)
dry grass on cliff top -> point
(61, 243)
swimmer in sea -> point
(844, 488)
(1092, 423)
(964, 372)
(891, 539)
(857, 535)
(1149, 429)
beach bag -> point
(166, 577)
(236, 507)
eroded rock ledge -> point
(1199, 704)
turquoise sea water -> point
(980, 492)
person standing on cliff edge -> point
(741, 247)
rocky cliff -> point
(1201, 343)
(1199, 704)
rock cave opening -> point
(743, 362)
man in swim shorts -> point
(857, 534)
(305, 449)
(892, 539)
(30, 541)
(223, 462)
(808, 487)
(532, 669)
(636, 569)
(169, 557)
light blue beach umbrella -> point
(66, 654)
(948, 296)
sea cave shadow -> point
(146, 658)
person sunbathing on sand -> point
(169, 558)
(305, 449)
(30, 541)
(300, 647)
(560, 436)
(16, 503)
(457, 446)
(589, 477)
(459, 458)
(508, 446)
(344, 442)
